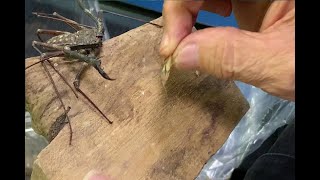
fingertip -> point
(172, 38)
(164, 46)
(179, 17)
(95, 175)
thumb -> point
(226, 53)
(260, 59)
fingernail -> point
(188, 57)
(95, 175)
(164, 43)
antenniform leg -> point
(55, 16)
(55, 89)
(49, 32)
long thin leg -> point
(137, 19)
(59, 97)
(57, 92)
(76, 84)
(69, 21)
(45, 57)
(49, 32)
(62, 77)
(55, 16)
(83, 68)
(60, 48)
(96, 63)
(46, 45)
(70, 50)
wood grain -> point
(159, 132)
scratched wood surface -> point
(158, 132)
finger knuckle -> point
(224, 53)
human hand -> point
(261, 53)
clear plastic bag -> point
(94, 7)
(265, 115)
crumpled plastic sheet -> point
(265, 115)
(93, 6)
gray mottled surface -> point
(34, 143)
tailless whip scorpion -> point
(83, 45)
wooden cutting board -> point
(158, 132)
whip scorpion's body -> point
(82, 45)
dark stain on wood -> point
(57, 126)
(217, 108)
(167, 168)
(210, 130)
(122, 108)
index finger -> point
(180, 16)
